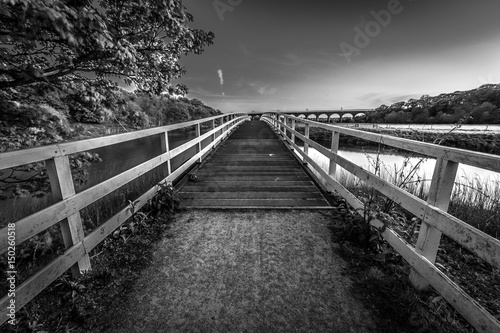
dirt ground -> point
(243, 271)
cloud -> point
(221, 78)
(265, 90)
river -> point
(123, 156)
(116, 159)
(120, 157)
(470, 128)
(393, 167)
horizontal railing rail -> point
(66, 209)
(433, 212)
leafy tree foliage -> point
(477, 106)
(30, 126)
(59, 63)
(80, 45)
(42, 121)
(164, 110)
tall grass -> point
(477, 203)
(473, 200)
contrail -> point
(221, 77)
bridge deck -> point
(252, 168)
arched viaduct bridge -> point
(320, 115)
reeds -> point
(474, 200)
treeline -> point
(38, 115)
(140, 110)
(477, 106)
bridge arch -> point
(346, 117)
(359, 116)
(323, 117)
(312, 116)
(334, 117)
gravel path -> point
(244, 271)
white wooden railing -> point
(66, 209)
(433, 212)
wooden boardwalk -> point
(252, 168)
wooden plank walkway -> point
(251, 169)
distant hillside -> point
(476, 106)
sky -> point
(297, 55)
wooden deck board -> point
(252, 168)
(292, 203)
(251, 195)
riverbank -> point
(481, 142)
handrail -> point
(435, 219)
(15, 158)
(66, 210)
(473, 158)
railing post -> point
(306, 145)
(285, 124)
(61, 184)
(332, 167)
(213, 127)
(165, 148)
(429, 237)
(198, 134)
(292, 136)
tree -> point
(483, 112)
(421, 116)
(77, 44)
(176, 113)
